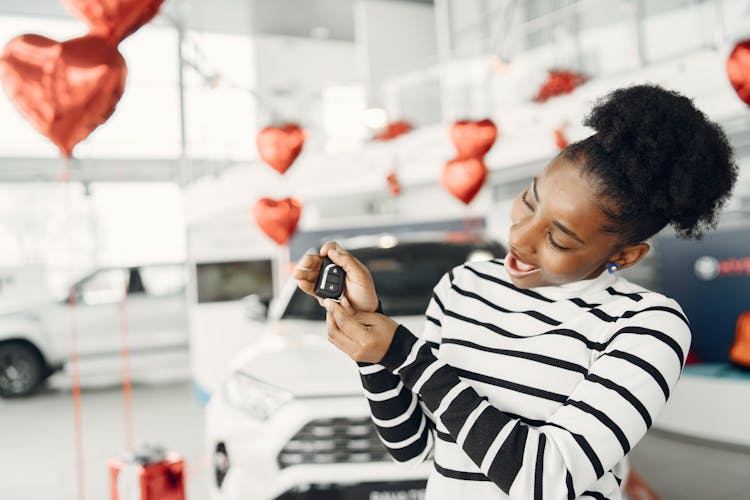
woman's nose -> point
(523, 236)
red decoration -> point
(637, 488)
(738, 69)
(393, 130)
(279, 146)
(473, 139)
(394, 186)
(463, 178)
(560, 140)
(277, 218)
(65, 89)
(559, 82)
(114, 19)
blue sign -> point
(710, 278)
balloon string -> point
(65, 172)
(126, 379)
(74, 347)
(76, 393)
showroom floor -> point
(38, 462)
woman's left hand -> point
(363, 336)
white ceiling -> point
(333, 19)
(280, 17)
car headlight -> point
(258, 399)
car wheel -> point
(22, 369)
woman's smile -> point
(518, 269)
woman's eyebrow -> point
(557, 223)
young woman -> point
(537, 374)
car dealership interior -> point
(173, 172)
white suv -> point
(35, 339)
(290, 420)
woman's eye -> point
(525, 201)
(555, 244)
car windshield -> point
(404, 275)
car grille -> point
(334, 440)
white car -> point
(35, 338)
(290, 420)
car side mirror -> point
(255, 308)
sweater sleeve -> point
(606, 414)
(400, 418)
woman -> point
(536, 375)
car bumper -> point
(250, 470)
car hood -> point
(297, 356)
(24, 307)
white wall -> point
(393, 38)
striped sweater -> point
(527, 394)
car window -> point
(404, 275)
(103, 287)
(224, 281)
(163, 280)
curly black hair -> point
(657, 160)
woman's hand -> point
(363, 336)
(359, 288)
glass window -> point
(223, 281)
(104, 287)
(163, 280)
(404, 275)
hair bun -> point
(675, 163)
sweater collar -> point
(577, 288)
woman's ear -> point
(630, 254)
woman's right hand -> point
(359, 288)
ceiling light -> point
(375, 118)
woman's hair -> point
(656, 160)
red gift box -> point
(152, 476)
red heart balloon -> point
(559, 82)
(560, 140)
(463, 178)
(738, 69)
(65, 89)
(277, 218)
(280, 146)
(393, 130)
(114, 19)
(473, 139)
(394, 186)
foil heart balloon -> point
(463, 178)
(559, 82)
(114, 19)
(394, 186)
(279, 146)
(277, 218)
(65, 89)
(738, 69)
(393, 130)
(473, 139)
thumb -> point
(347, 261)
(335, 309)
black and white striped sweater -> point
(527, 394)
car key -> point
(330, 284)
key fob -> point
(330, 284)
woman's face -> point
(556, 233)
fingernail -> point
(327, 304)
(334, 252)
(303, 268)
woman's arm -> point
(601, 420)
(397, 412)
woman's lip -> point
(512, 268)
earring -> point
(613, 267)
